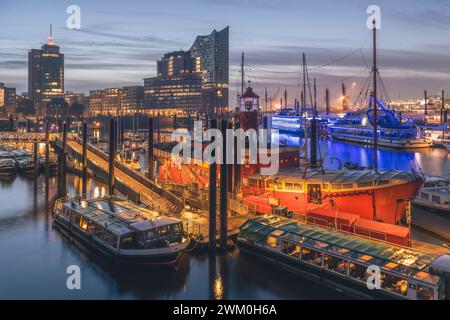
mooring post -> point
(84, 161)
(230, 165)
(212, 197)
(47, 149)
(11, 123)
(35, 157)
(150, 148)
(112, 155)
(223, 188)
(64, 156)
(237, 166)
(122, 131)
(159, 129)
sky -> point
(119, 42)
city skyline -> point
(123, 51)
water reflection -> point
(35, 258)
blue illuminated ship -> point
(357, 126)
(288, 121)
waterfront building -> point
(96, 102)
(7, 99)
(192, 81)
(112, 101)
(132, 98)
(45, 74)
(213, 53)
(74, 97)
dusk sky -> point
(120, 41)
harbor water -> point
(35, 256)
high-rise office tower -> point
(45, 74)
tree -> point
(76, 109)
(25, 107)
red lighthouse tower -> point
(248, 110)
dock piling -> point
(150, 148)
(212, 198)
(64, 157)
(230, 166)
(223, 188)
(112, 155)
(84, 161)
(47, 149)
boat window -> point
(424, 292)
(76, 218)
(83, 223)
(312, 256)
(347, 186)
(335, 264)
(252, 182)
(298, 186)
(358, 271)
(280, 185)
(271, 242)
(424, 196)
(176, 228)
(163, 231)
(290, 249)
(288, 186)
(151, 235)
(394, 284)
(436, 199)
(110, 239)
(382, 182)
(336, 186)
(127, 242)
(365, 184)
(270, 184)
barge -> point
(341, 260)
(122, 230)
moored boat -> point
(352, 191)
(358, 127)
(122, 230)
(7, 167)
(342, 261)
(25, 165)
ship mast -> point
(242, 74)
(374, 100)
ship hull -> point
(390, 201)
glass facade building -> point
(194, 80)
(45, 75)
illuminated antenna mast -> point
(50, 37)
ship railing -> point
(195, 228)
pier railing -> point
(136, 176)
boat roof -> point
(291, 174)
(146, 225)
(359, 248)
(119, 216)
